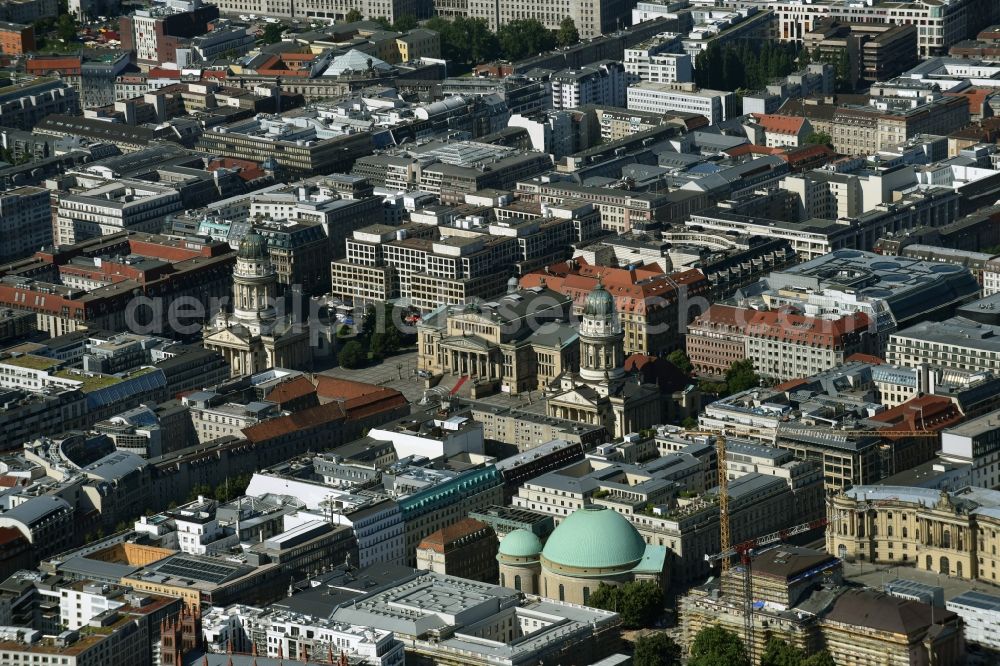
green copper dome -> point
(595, 537)
(599, 302)
(253, 246)
(521, 543)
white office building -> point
(716, 105)
(112, 206)
(601, 83)
(976, 443)
(980, 613)
(659, 60)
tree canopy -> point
(680, 361)
(521, 38)
(352, 355)
(780, 653)
(841, 62)
(741, 376)
(66, 28)
(272, 33)
(656, 650)
(715, 646)
(639, 603)
(232, 488)
(819, 139)
(465, 42)
(354, 15)
(746, 65)
(567, 34)
(405, 22)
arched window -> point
(946, 539)
(503, 581)
(930, 563)
(904, 532)
(517, 582)
(562, 593)
(958, 568)
(945, 566)
(586, 594)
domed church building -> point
(601, 393)
(591, 546)
(252, 336)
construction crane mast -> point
(745, 549)
(724, 538)
(723, 480)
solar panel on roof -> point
(209, 572)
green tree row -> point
(373, 341)
(639, 603)
(715, 646)
(740, 376)
(746, 65)
(224, 492)
(467, 42)
(402, 24)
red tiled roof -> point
(773, 122)
(925, 412)
(7, 481)
(291, 390)
(806, 154)
(161, 73)
(726, 315)
(790, 384)
(249, 170)
(302, 420)
(976, 96)
(440, 539)
(865, 358)
(634, 290)
(68, 64)
(359, 413)
(343, 389)
(638, 361)
(751, 148)
(656, 370)
(802, 329)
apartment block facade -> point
(25, 222)
(121, 205)
(939, 24)
(715, 105)
(593, 18)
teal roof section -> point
(464, 485)
(521, 543)
(595, 537)
(599, 302)
(652, 561)
(253, 246)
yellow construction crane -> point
(725, 542)
(745, 549)
(745, 552)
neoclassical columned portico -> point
(575, 414)
(475, 363)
